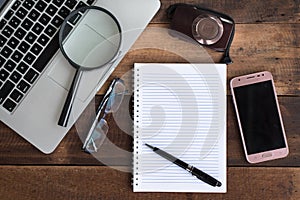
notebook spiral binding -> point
(135, 126)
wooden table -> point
(267, 38)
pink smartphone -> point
(259, 117)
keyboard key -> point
(5, 90)
(7, 31)
(37, 28)
(9, 14)
(47, 54)
(30, 37)
(13, 43)
(17, 56)
(10, 65)
(24, 47)
(51, 10)
(64, 12)
(3, 75)
(57, 21)
(80, 4)
(2, 24)
(28, 4)
(16, 5)
(20, 33)
(16, 96)
(73, 20)
(27, 24)
(9, 105)
(14, 22)
(71, 4)
(44, 19)
(21, 13)
(23, 86)
(36, 49)
(15, 77)
(50, 30)
(22, 67)
(43, 39)
(34, 15)
(41, 5)
(58, 3)
(6, 52)
(90, 2)
(2, 61)
(29, 58)
(31, 76)
(2, 40)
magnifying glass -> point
(89, 38)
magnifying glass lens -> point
(91, 37)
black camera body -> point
(209, 28)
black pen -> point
(193, 170)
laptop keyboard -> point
(28, 40)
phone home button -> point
(266, 155)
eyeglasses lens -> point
(98, 136)
(115, 97)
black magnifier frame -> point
(65, 114)
(65, 22)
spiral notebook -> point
(181, 109)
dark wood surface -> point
(267, 38)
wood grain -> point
(51, 182)
(276, 50)
(243, 11)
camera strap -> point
(226, 58)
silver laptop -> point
(35, 77)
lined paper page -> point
(179, 108)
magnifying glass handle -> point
(65, 114)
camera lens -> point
(207, 29)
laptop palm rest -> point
(62, 73)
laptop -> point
(34, 75)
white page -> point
(181, 109)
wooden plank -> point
(106, 183)
(243, 11)
(256, 47)
(16, 151)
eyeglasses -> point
(110, 103)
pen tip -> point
(219, 184)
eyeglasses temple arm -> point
(98, 112)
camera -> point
(209, 28)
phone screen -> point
(259, 117)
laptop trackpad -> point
(62, 73)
